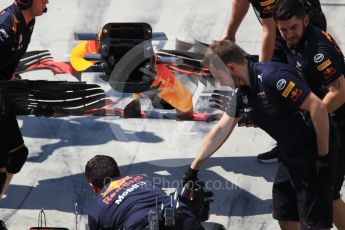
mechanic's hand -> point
(16, 77)
(191, 175)
(223, 100)
(228, 36)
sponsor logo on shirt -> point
(121, 188)
(263, 97)
(261, 94)
(245, 99)
(318, 58)
(296, 94)
(115, 184)
(267, 2)
(3, 35)
(281, 84)
(329, 38)
(323, 65)
(329, 72)
(2, 31)
(267, 9)
(260, 77)
(132, 188)
(288, 89)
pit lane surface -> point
(53, 177)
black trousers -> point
(10, 138)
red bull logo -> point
(123, 186)
(115, 185)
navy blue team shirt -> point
(319, 60)
(125, 203)
(15, 36)
(273, 101)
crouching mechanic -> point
(16, 25)
(272, 43)
(280, 103)
(124, 202)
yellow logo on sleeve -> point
(323, 65)
(267, 2)
(288, 89)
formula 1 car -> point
(124, 53)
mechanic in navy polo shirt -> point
(263, 11)
(16, 26)
(272, 43)
(123, 202)
(320, 61)
(282, 104)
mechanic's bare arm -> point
(268, 39)
(215, 139)
(335, 97)
(319, 116)
(238, 12)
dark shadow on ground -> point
(230, 200)
(79, 131)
